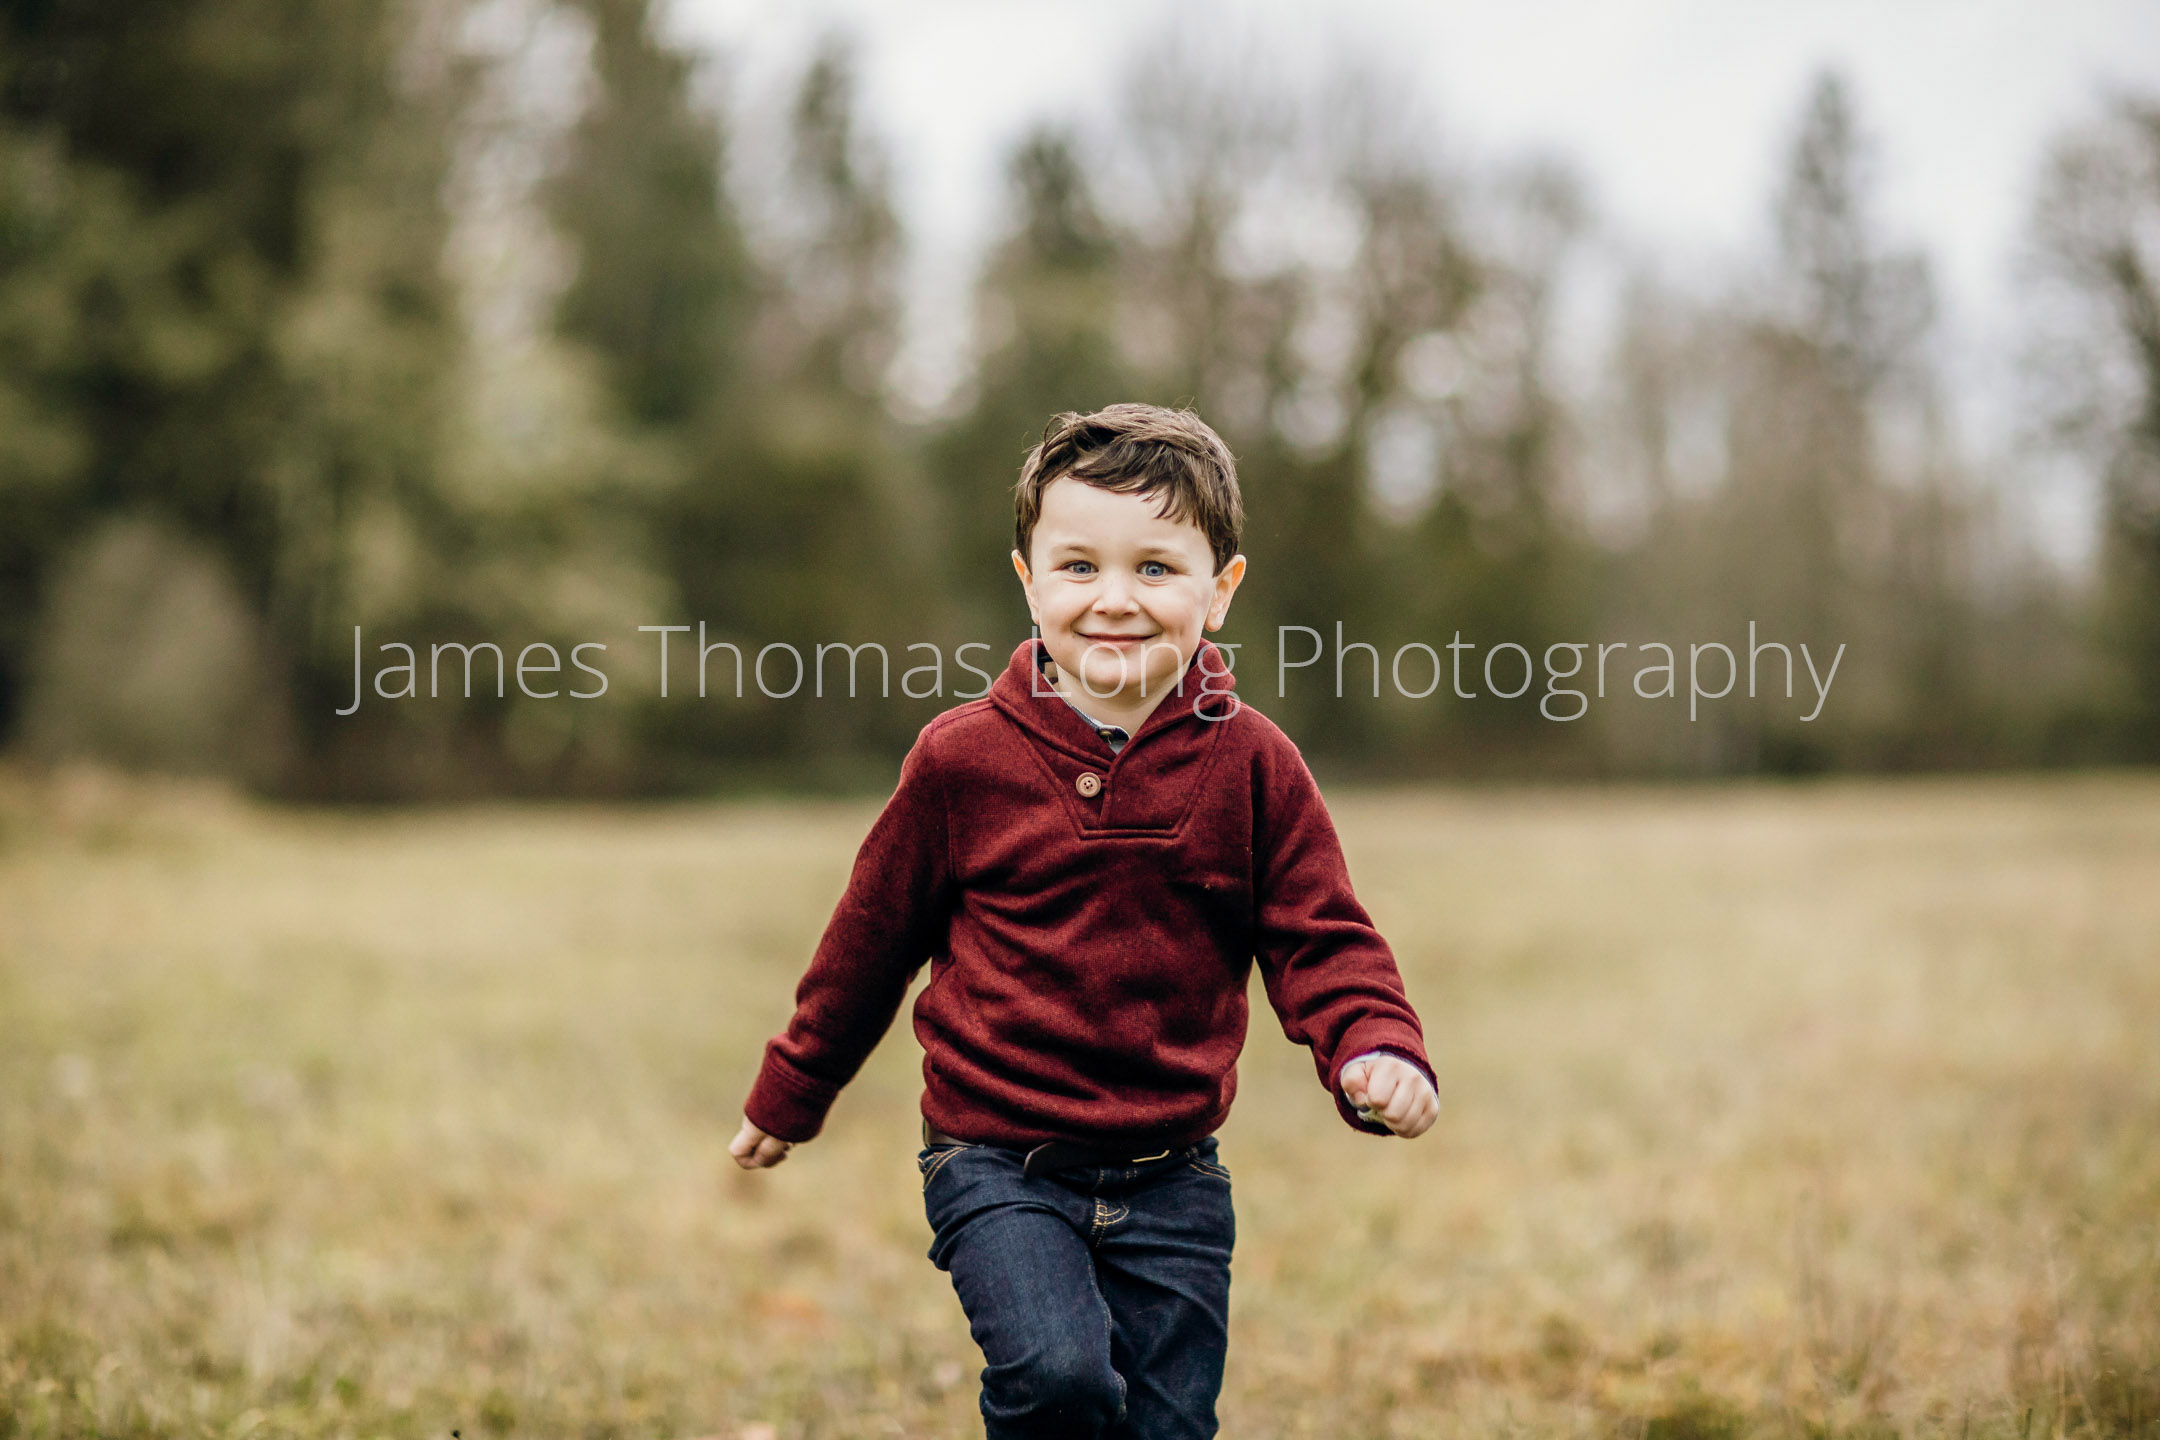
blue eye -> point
(1079, 566)
(1154, 569)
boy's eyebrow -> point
(1058, 547)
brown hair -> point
(1138, 449)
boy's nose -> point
(1115, 597)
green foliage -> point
(797, 518)
(662, 278)
(389, 320)
(224, 293)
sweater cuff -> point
(1362, 1040)
(786, 1103)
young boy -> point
(1091, 857)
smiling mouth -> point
(1112, 639)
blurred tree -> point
(2097, 225)
(842, 308)
(1370, 334)
(1351, 465)
(1501, 547)
(1046, 337)
(1442, 490)
(1202, 133)
(1209, 314)
(227, 219)
(1852, 524)
(1783, 455)
(799, 521)
(1837, 518)
(69, 237)
(663, 279)
(293, 338)
(147, 657)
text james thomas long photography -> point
(1575, 673)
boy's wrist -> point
(1380, 1041)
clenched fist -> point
(1395, 1091)
(753, 1149)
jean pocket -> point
(932, 1160)
(1210, 1167)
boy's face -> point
(1119, 594)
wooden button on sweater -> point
(1089, 784)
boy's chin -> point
(1121, 686)
(1098, 684)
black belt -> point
(1051, 1154)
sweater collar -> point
(1026, 696)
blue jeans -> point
(1100, 1297)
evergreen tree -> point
(1046, 320)
(663, 278)
(796, 523)
(235, 219)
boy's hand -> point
(753, 1149)
(1395, 1091)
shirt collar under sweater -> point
(1025, 694)
(1114, 736)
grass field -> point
(1811, 1111)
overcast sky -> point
(1676, 112)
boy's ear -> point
(1027, 581)
(1226, 583)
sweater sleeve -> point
(1329, 975)
(888, 921)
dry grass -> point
(1821, 1111)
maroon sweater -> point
(1090, 920)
